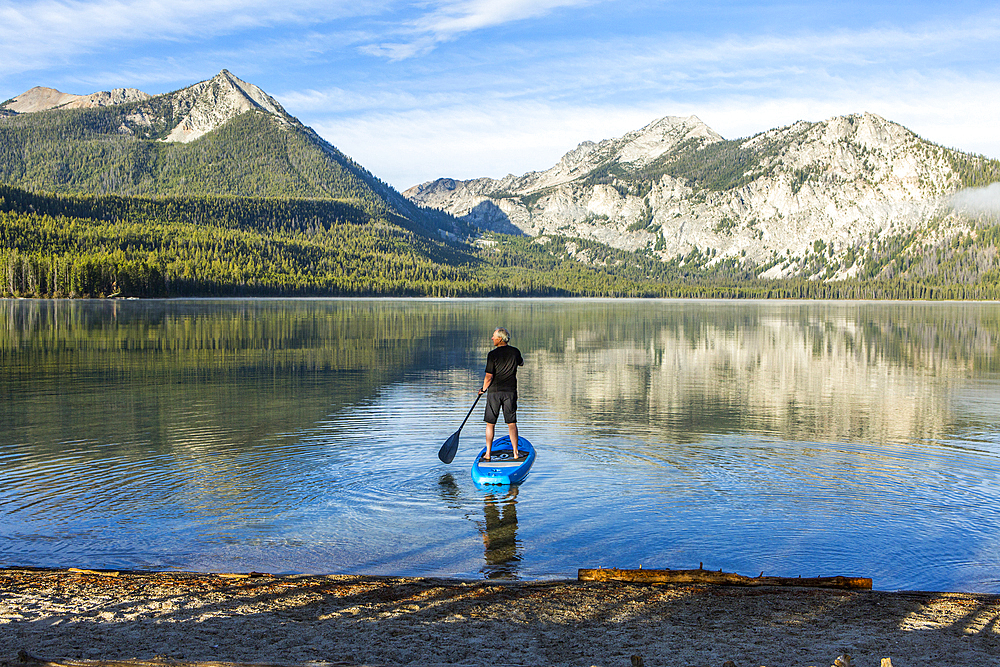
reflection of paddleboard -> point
(503, 468)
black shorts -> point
(497, 399)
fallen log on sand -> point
(701, 576)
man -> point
(500, 385)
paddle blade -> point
(449, 448)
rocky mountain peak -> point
(41, 98)
(578, 154)
(38, 98)
(662, 135)
(634, 150)
(200, 108)
(675, 186)
(208, 104)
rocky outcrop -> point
(195, 110)
(209, 104)
(676, 185)
(42, 99)
(636, 149)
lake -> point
(789, 438)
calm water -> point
(793, 438)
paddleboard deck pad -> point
(503, 468)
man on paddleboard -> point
(500, 385)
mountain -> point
(43, 99)
(675, 187)
(215, 189)
(184, 115)
(220, 137)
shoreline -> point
(189, 617)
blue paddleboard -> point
(503, 468)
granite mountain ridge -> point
(676, 186)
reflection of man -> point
(500, 385)
(500, 536)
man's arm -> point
(487, 381)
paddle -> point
(450, 446)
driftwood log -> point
(701, 576)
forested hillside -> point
(84, 246)
(120, 149)
(80, 246)
(99, 246)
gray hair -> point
(504, 334)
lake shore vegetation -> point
(79, 246)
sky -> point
(421, 90)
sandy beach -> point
(58, 615)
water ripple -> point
(302, 437)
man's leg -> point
(492, 413)
(510, 416)
(490, 428)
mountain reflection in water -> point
(301, 436)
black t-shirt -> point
(502, 362)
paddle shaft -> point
(450, 446)
(478, 396)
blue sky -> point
(467, 88)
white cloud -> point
(407, 138)
(674, 64)
(42, 32)
(481, 120)
(453, 18)
(400, 50)
(342, 100)
(409, 147)
(851, 47)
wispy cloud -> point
(667, 63)
(547, 99)
(408, 139)
(510, 85)
(837, 65)
(453, 18)
(407, 147)
(37, 33)
(338, 100)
